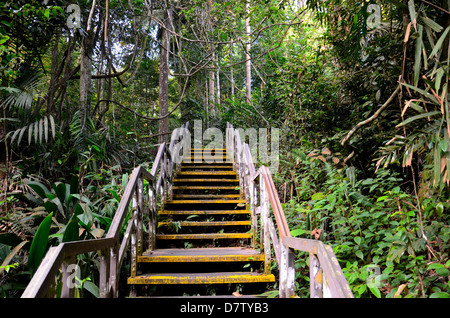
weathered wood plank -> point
(202, 278)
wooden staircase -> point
(204, 236)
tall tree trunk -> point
(212, 91)
(248, 63)
(218, 84)
(86, 71)
(164, 79)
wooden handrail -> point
(112, 249)
(326, 276)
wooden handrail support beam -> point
(326, 276)
(113, 247)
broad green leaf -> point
(359, 254)
(418, 56)
(412, 12)
(30, 133)
(91, 287)
(297, 232)
(436, 27)
(39, 244)
(22, 131)
(413, 118)
(46, 129)
(317, 196)
(375, 291)
(437, 82)
(52, 124)
(36, 131)
(422, 92)
(439, 42)
(41, 130)
(358, 240)
(71, 233)
(443, 145)
(440, 295)
(39, 188)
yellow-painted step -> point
(209, 188)
(204, 201)
(206, 196)
(205, 180)
(202, 278)
(203, 212)
(205, 173)
(207, 223)
(188, 255)
(203, 236)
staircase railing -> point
(144, 198)
(326, 277)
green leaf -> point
(439, 268)
(412, 11)
(3, 38)
(39, 188)
(297, 232)
(71, 233)
(439, 42)
(92, 288)
(39, 244)
(358, 240)
(359, 254)
(436, 27)
(418, 55)
(375, 291)
(317, 196)
(422, 92)
(440, 295)
(413, 118)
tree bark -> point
(86, 71)
(248, 63)
(164, 79)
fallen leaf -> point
(236, 294)
(335, 160)
(326, 151)
(322, 158)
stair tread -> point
(205, 173)
(208, 223)
(202, 236)
(205, 196)
(204, 188)
(206, 166)
(205, 180)
(203, 212)
(203, 201)
(218, 254)
(202, 278)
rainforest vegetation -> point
(358, 89)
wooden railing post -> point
(139, 215)
(315, 277)
(287, 272)
(104, 273)
(114, 271)
(152, 216)
(265, 215)
(134, 239)
(68, 286)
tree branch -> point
(371, 118)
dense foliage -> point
(358, 89)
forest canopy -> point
(358, 89)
